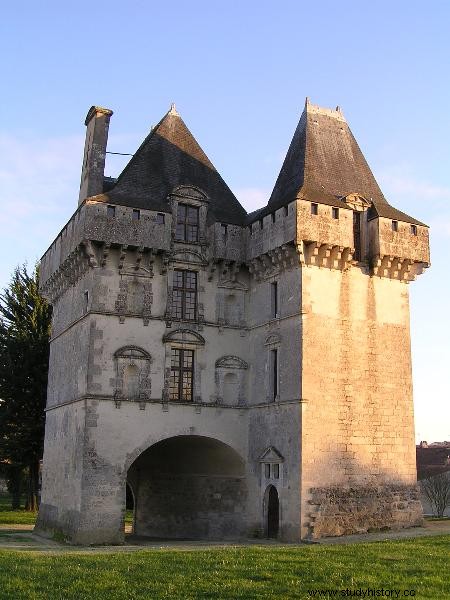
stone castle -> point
(244, 374)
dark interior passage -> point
(189, 487)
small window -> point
(136, 215)
(267, 470)
(111, 211)
(394, 225)
(261, 223)
(335, 212)
(86, 301)
(276, 471)
(314, 208)
(273, 217)
(414, 229)
(274, 298)
(286, 209)
(224, 229)
(160, 218)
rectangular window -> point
(111, 211)
(181, 375)
(136, 215)
(187, 223)
(414, 229)
(274, 369)
(394, 225)
(335, 212)
(273, 217)
(276, 471)
(184, 295)
(267, 470)
(224, 230)
(86, 301)
(314, 208)
(261, 223)
(160, 218)
(357, 235)
(274, 298)
(286, 210)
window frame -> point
(184, 291)
(180, 370)
(335, 212)
(183, 227)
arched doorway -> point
(189, 487)
(273, 512)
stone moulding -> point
(231, 362)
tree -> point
(24, 347)
(437, 490)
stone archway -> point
(189, 487)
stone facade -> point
(297, 333)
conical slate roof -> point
(324, 164)
(170, 156)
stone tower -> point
(244, 375)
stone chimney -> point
(97, 123)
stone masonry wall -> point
(357, 423)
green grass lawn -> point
(231, 573)
(14, 517)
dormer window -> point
(187, 223)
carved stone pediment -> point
(189, 256)
(232, 285)
(191, 192)
(132, 352)
(271, 455)
(357, 202)
(272, 339)
(231, 362)
(184, 336)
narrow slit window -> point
(86, 301)
(335, 212)
(273, 217)
(261, 223)
(267, 470)
(394, 225)
(314, 208)
(274, 298)
(224, 230)
(274, 369)
(286, 210)
(276, 471)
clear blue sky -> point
(239, 73)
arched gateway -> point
(189, 487)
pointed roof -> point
(169, 157)
(324, 164)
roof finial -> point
(173, 110)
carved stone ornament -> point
(231, 362)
